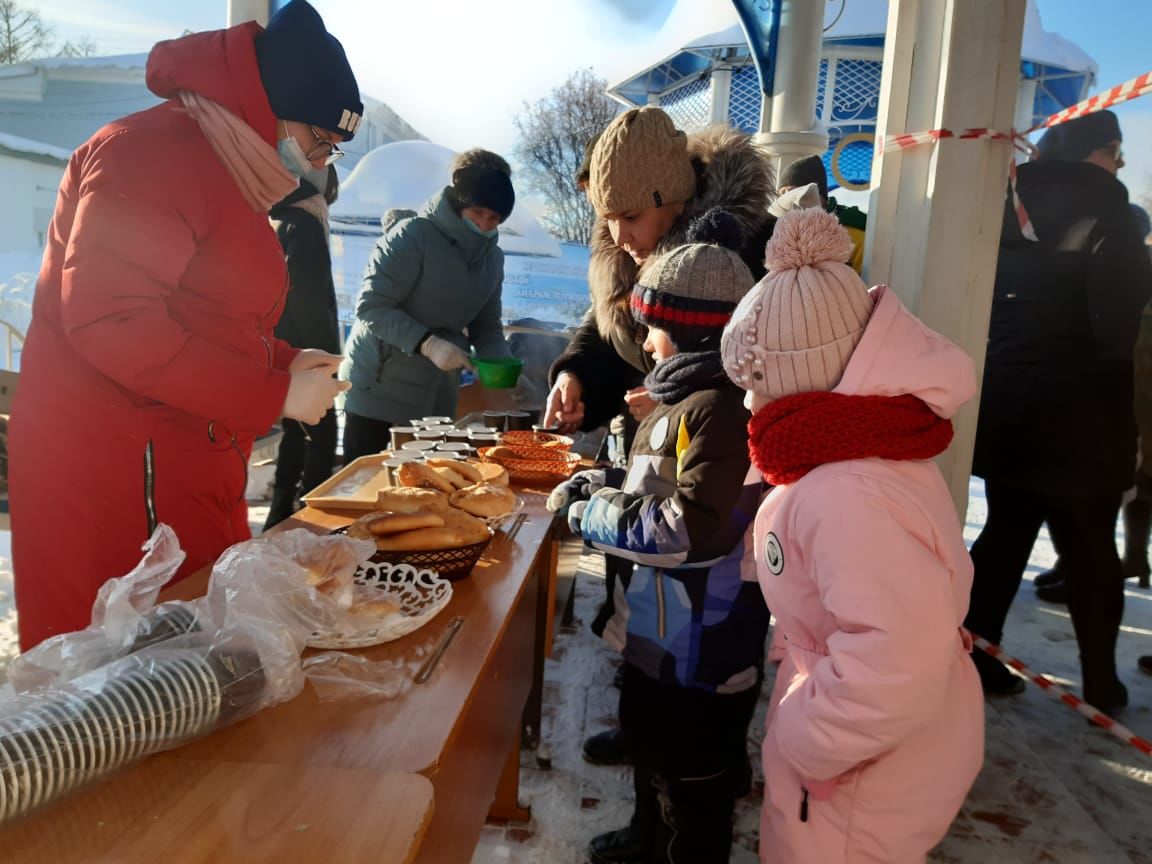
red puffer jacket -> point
(150, 365)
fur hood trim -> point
(732, 172)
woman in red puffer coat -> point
(150, 365)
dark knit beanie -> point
(810, 169)
(690, 293)
(305, 73)
(480, 186)
(1074, 140)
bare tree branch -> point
(23, 33)
(553, 133)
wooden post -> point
(935, 211)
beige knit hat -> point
(640, 161)
(796, 330)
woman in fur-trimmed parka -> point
(654, 188)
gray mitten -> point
(579, 487)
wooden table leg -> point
(544, 570)
(551, 559)
(506, 807)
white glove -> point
(444, 354)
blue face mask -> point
(477, 230)
(293, 158)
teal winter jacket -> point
(429, 273)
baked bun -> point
(458, 481)
(358, 530)
(399, 499)
(492, 473)
(395, 523)
(423, 540)
(469, 472)
(503, 453)
(556, 445)
(420, 475)
(484, 501)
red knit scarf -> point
(791, 436)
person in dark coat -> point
(1056, 440)
(309, 320)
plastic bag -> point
(122, 614)
(338, 676)
(145, 678)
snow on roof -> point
(34, 148)
(405, 174)
(111, 61)
(847, 20)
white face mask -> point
(292, 156)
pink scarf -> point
(254, 165)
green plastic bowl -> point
(498, 373)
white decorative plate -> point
(420, 594)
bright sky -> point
(458, 70)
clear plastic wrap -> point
(146, 677)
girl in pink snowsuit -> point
(876, 727)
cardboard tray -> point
(353, 487)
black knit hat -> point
(305, 72)
(1074, 140)
(810, 169)
(480, 186)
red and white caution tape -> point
(1061, 695)
(1138, 86)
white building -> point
(49, 107)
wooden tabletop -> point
(181, 811)
(410, 732)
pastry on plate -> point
(484, 500)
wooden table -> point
(183, 811)
(462, 728)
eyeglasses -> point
(324, 149)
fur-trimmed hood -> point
(733, 174)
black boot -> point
(1056, 592)
(1137, 529)
(606, 748)
(995, 677)
(1144, 664)
(617, 847)
(1049, 577)
(1106, 696)
(282, 507)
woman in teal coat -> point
(431, 292)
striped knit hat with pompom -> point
(796, 330)
(690, 293)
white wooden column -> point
(240, 11)
(935, 211)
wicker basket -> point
(535, 464)
(451, 564)
(520, 438)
